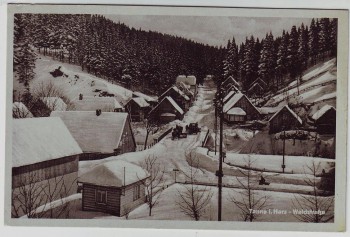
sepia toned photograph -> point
(151, 116)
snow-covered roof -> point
(116, 173)
(19, 110)
(189, 80)
(141, 102)
(167, 115)
(322, 111)
(176, 106)
(255, 85)
(290, 111)
(40, 139)
(230, 80)
(268, 110)
(185, 88)
(146, 97)
(180, 92)
(91, 103)
(229, 95)
(95, 133)
(258, 80)
(54, 103)
(229, 104)
(236, 111)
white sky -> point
(211, 30)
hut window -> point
(101, 196)
(137, 192)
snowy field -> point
(86, 84)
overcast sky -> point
(211, 30)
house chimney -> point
(80, 96)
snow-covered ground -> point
(86, 83)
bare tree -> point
(34, 196)
(313, 208)
(154, 185)
(151, 126)
(194, 200)
(248, 201)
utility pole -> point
(219, 97)
(284, 147)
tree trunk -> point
(145, 146)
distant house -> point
(256, 90)
(44, 162)
(19, 110)
(138, 108)
(191, 81)
(54, 103)
(325, 120)
(283, 120)
(185, 89)
(114, 187)
(178, 96)
(230, 81)
(152, 100)
(240, 109)
(166, 111)
(99, 134)
(92, 103)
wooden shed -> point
(325, 120)
(138, 109)
(92, 103)
(166, 111)
(178, 96)
(44, 163)
(240, 109)
(283, 120)
(114, 187)
(99, 134)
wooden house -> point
(240, 109)
(99, 134)
(115, 187)
(178, 96)
(166, 111)
(191, 81)
(44, 163)
(152, 100)
(93, 103)
(19, 110)
(138, 108)
(283, 120)
(325, 120)
(230, 81)
(257, 88)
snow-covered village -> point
(114, 119)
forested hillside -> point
(139, 60)
(278, 60)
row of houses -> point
(238, 108)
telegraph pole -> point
(219, 108)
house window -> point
(137, 190)
(101, 196)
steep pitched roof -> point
(255, 85)
(116, 173)
(40, 139)
(91, 103)
(232, 102)
(177, 90)
(19, 110)
(146, 97)
(286, 107)
(172, 102)
(54, 103)
(322, 111)
(231, 80)
(259, 81)
(94, 133)
(140, 101)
